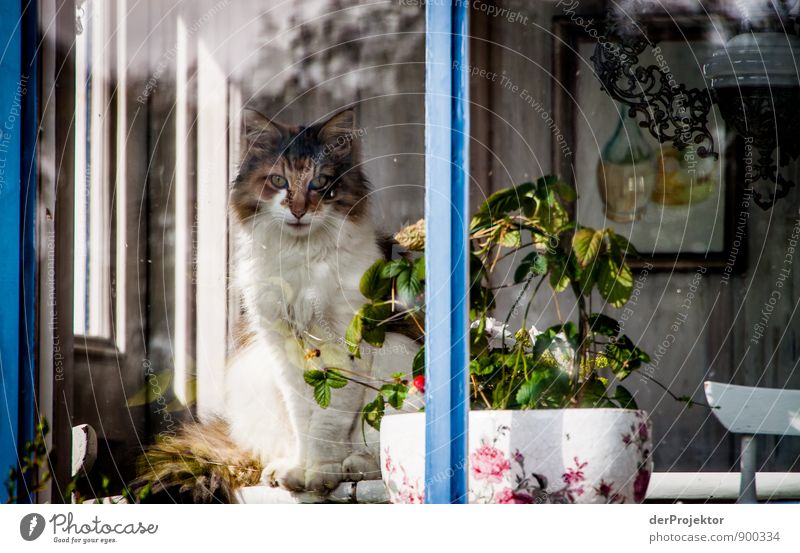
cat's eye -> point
(318, 182)
(277, 181)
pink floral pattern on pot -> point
(532, 456)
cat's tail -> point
(200, 464)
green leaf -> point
(482, 366)
(353, 334)
(621, 247)
(624, 398)
(313, 377)
(549, 213)
(322, 395)
(373, 286)
(586, 244)
(594, 394)
(501, 203)
(323, 382)
(374, 336)
(604, 325)
(511, 239)
(335, 379)
(624, 357)
(559, 276)
(375, 313)
(570, 330)
(544, 340)
(372, 414)
(393, 268)
(408, 286)
(532, 264)
(566, 191)
(395, 394)
(614, 282)
(419, 268)
(547, 387)
(418, 364)
(372, 330)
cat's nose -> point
(298, 213)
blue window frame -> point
(17, 229)
(446, 251)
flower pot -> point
(537, 456)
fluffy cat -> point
(303, 238)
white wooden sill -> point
(664, 486)
(366, 491)
(721, 486)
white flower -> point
(495, 330)
(564, 353)
(560, 348)
(534, 333)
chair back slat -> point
(749, 410)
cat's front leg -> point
(307, 308)
(271, 299)
(323, 435)
(329, 443)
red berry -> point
(419, 383)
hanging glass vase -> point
(626, 171)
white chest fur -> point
(305, 281)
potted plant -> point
(550, 419)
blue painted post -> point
(10, 125)
(28, 228)
(446, 252)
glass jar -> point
(626, 171)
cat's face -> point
(299, 179)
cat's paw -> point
(361, 465)
(324, 476)
(286, 474)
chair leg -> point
(747, 486)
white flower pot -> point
(537, 456)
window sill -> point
(721, 486)
(664, 487)
(366, 491)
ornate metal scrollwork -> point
(769, 116)
(754, 117)
(671, 111)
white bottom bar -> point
(438, 528)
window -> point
(94, 221)
(159, 93)
(156, 125)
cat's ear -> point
(259, 128)
(339, 130)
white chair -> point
(751, 411)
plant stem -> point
(683, 399)
(370, 386)
(530, 302)
(558, 307)
(514, 305)
(479, 390)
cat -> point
(302, 240)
